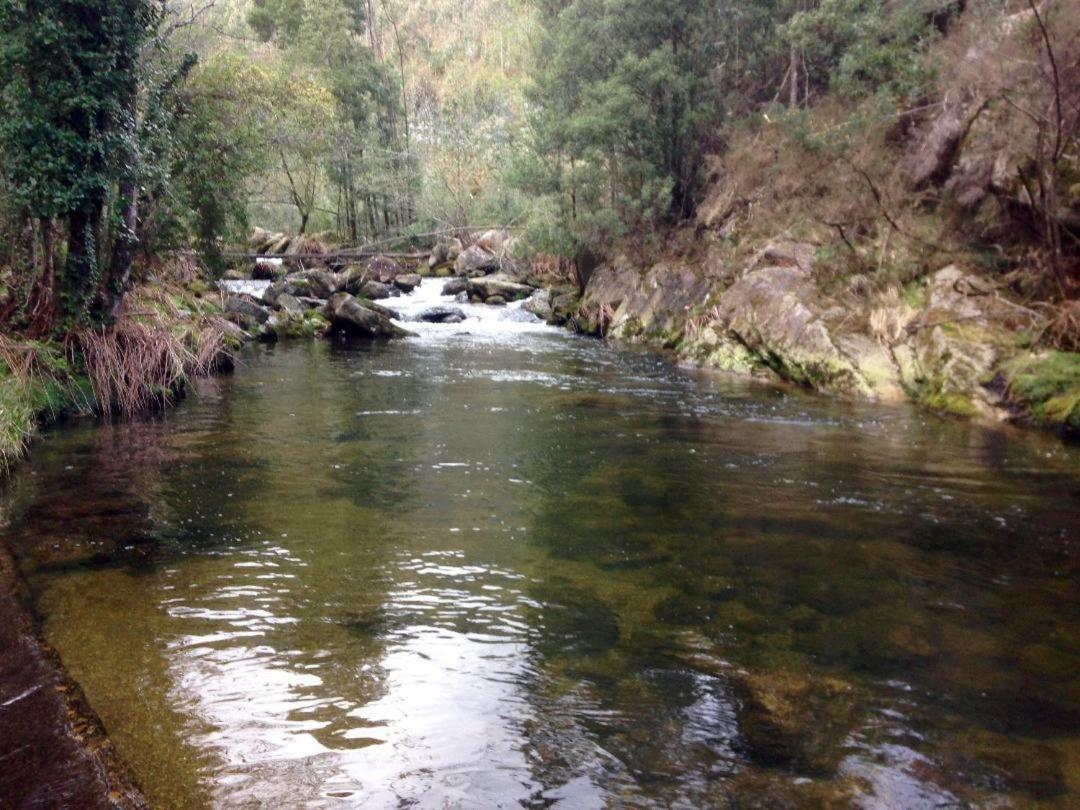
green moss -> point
(950, 402)
(915, 294)
(1047, 386)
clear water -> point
(497, 565)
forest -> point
(539, 403)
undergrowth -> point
(1048, 386)
(163, 338)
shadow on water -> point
(530, 570)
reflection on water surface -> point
(467, 571)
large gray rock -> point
(475, 261)
(455, 286)
(778, 315)
(349, 317)
(539, 304)
(290, 304)
(323, 283)
(407, 282)
(376, 290)
(500, 285)
(247, 309)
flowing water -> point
(498, 565)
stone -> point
(297, 284)
(539, 304)
(247, 308)
(374, 290)
(500, 285)
(455, 286)
(349, 317)
(494, 242)
(795, 721)
(407, 282)
(290, 304)
(272, 293)
(381, 268)
(442, 315)
(475, 261)
(323, 283)
(495, 301)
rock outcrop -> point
(771, 318)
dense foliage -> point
(175, 126)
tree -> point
(70, 86)
(622, 100)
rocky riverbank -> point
(954, 342)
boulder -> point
(374, 290)
(539, 304)
(407, 282)
(495, 301)
(475, 261)
(438, 255)
(455, 286)
(442, 315)
(780, 317)
(494, 242)
(565, 304)
(349, 317)
(280, 244)
(500, 285)
(292, 324)
(297, 284)
(290, 304)
(246, 310)
(381, 269)
(272, 293)
(323, 283)
(258, 239)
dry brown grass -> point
(551, 270)
(149, 354)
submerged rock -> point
(795, 721)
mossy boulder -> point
(795, 720)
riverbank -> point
(54, 749)
(952, 341)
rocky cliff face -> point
(949, 346)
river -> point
(496, 564)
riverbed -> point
(496, 564)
